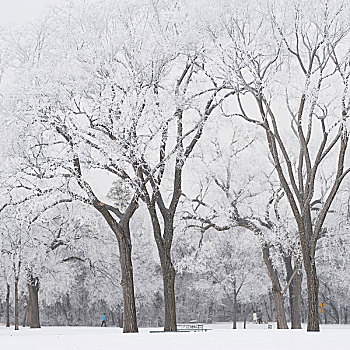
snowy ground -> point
(221, 337)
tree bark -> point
(296, 311)
(345, 314)
(234, 313)
(25, 316)
(276, 290)
(169, 275)
(8, 305)
(294, 293)
(312, 295)
(164, 243)
(280, 312)
(129, 307)
(122, 233)
(16, 305)
(33, 304)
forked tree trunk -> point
(8, 305)
(16, 305)
(169, 274)
(33, 302)
(122, 233)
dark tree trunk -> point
(276, 290)
(308, 246)
(164, 243)
(296, 311)
(8, 305)
(119, 316)
(280, 312)
(335, 314)
(271, 305)
(169, 274)
(211, 312)
(33, 288)
(234, 313)
(303, 310)
(129, 307)
(294, 293)
(26, 307)
(25, 316)
(122, 233)
(113, 319)
(246, 311)
(16, 305)
(345, 314)
(312, 294)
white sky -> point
(20, 11)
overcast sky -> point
(19, 11)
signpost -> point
(322, 306)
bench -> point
(187, 327)
(191, 327)
(259, 326)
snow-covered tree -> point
(292, 64)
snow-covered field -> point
(221, 337)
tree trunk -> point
(303, 311)
(33, 288)
(211, 312)
(122, 233)
(296, 310)
(26, 313)
(271, 305)
(16, 305)
(294, 293)
(129, 307)
(164, 243)
(25, 316)
(312, 294)
(120, 319)
(234, 313)
(169, 274)
(8, 306)
(345, 314)
(280, 312)
(113, 319)
(276, 290)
